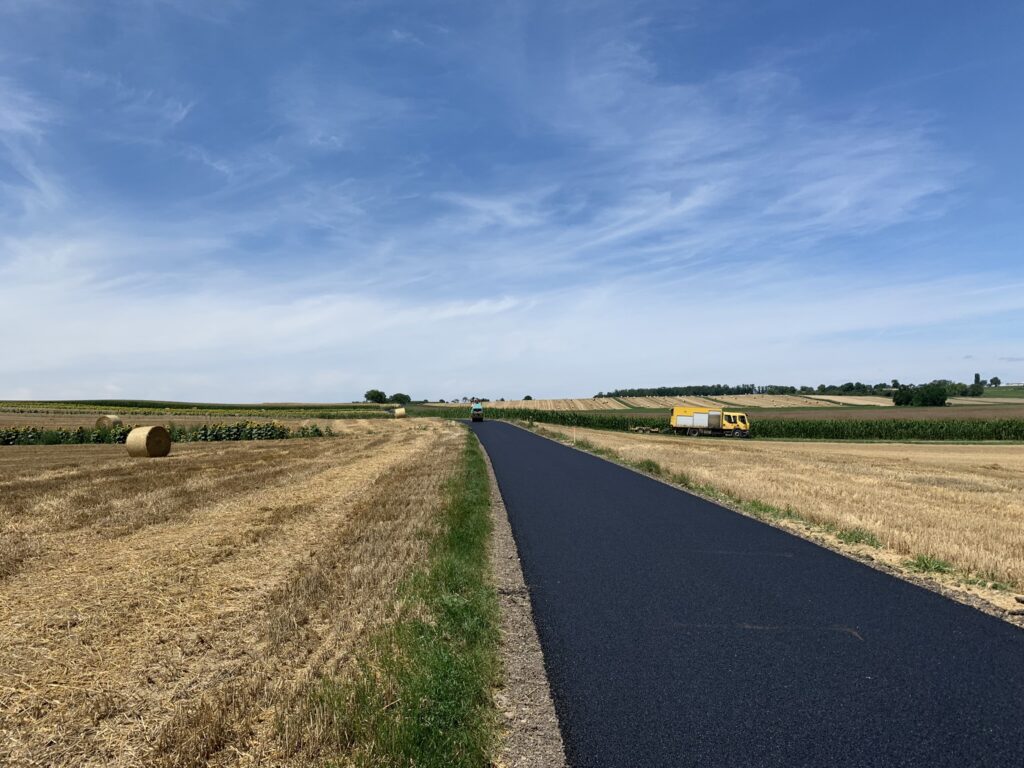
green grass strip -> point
(422, 695)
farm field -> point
(88, 420)
(962, 504)
(983, 412)
(669, 402)
(986, 401)
(61, 420)
(771, 401)
(881, 402)
(568, 404)
(182, 611)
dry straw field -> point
(959, 503)
(881, 402)
(670, 402)
(576, 404)
(773, 401)
(176, 612)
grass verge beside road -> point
(422, 693)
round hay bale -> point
(399, 413)
(108, 422)
(148, 442)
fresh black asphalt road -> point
(679, 633)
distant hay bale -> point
(148, 442)
(399, 413)
(108, 422)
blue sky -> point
(300, 201)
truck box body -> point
(709, 421)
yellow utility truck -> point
(709, 421)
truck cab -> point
(735, 424)
(476, 413)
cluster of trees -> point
(932, 394)
(700, 390)
(885, 389)
(938, 391)
(378, 396)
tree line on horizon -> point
(902, 394)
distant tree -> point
(895, 383)
(528, 397)
(903, 396)
(995, 381)
(401, 398)
(375, 396)
(441, 400)
(930, 395)
(926, 395)
(977, 378)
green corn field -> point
(243, 430)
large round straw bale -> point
(108, 422)
(148, 442)
(399, 413)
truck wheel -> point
(737, 433)
(691, 432)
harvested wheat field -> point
(773, 401)
(960, 503)
(670, 402)
(881, 402)
(178, 611)
(576, 404)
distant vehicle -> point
(477, 412)
(709, 421)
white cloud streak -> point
(346, 243)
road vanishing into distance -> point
(679, 633)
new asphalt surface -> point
(679, 633)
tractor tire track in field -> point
(677, 632)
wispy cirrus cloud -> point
(543, 182)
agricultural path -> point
(679, 633)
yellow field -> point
(569, 404)
(772, 401)
(881, 402)
(670, 402)
(178, 611)
(960, 503)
